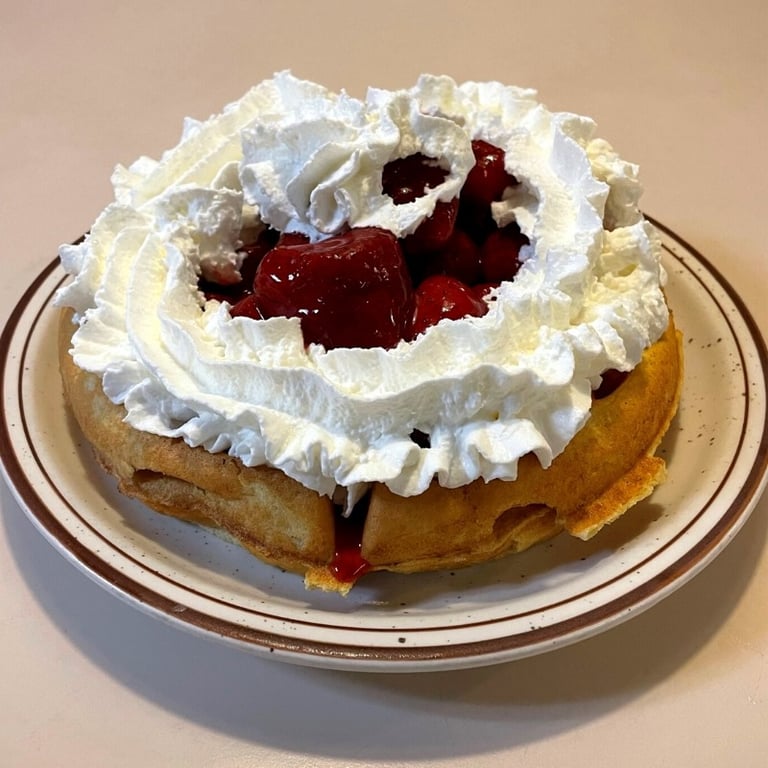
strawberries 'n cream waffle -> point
(399, 309)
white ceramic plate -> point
(552, 595)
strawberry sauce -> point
(348, 564)
(365, 287)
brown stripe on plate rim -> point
(534, 637)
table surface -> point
(679, 88)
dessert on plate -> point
(414, 331)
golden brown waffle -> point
(609, 466)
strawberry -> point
(409, 178)
(352, 290)
(433, 233)
(459, 258)
(246, 307)
(440, 297)
(499, 255)
(356, 289)
(488, 178)
(484, 184)
(228, 285)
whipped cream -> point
(294, 156)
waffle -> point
(608, 467)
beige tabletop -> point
(88, 680)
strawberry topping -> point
(366, 288)
(352, 290)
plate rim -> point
(390, 658)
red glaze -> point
(612, 380)
(481, 290)
(459, 258)
(488, 178)
(499, 256)
(356, 289)
(246, 307)
(353, 290)
(410, 177)
(485, 183)
(348, 564)
(440, 297)
(292, 238)
(433, 233)
(223, 287)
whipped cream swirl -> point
(297, 157)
